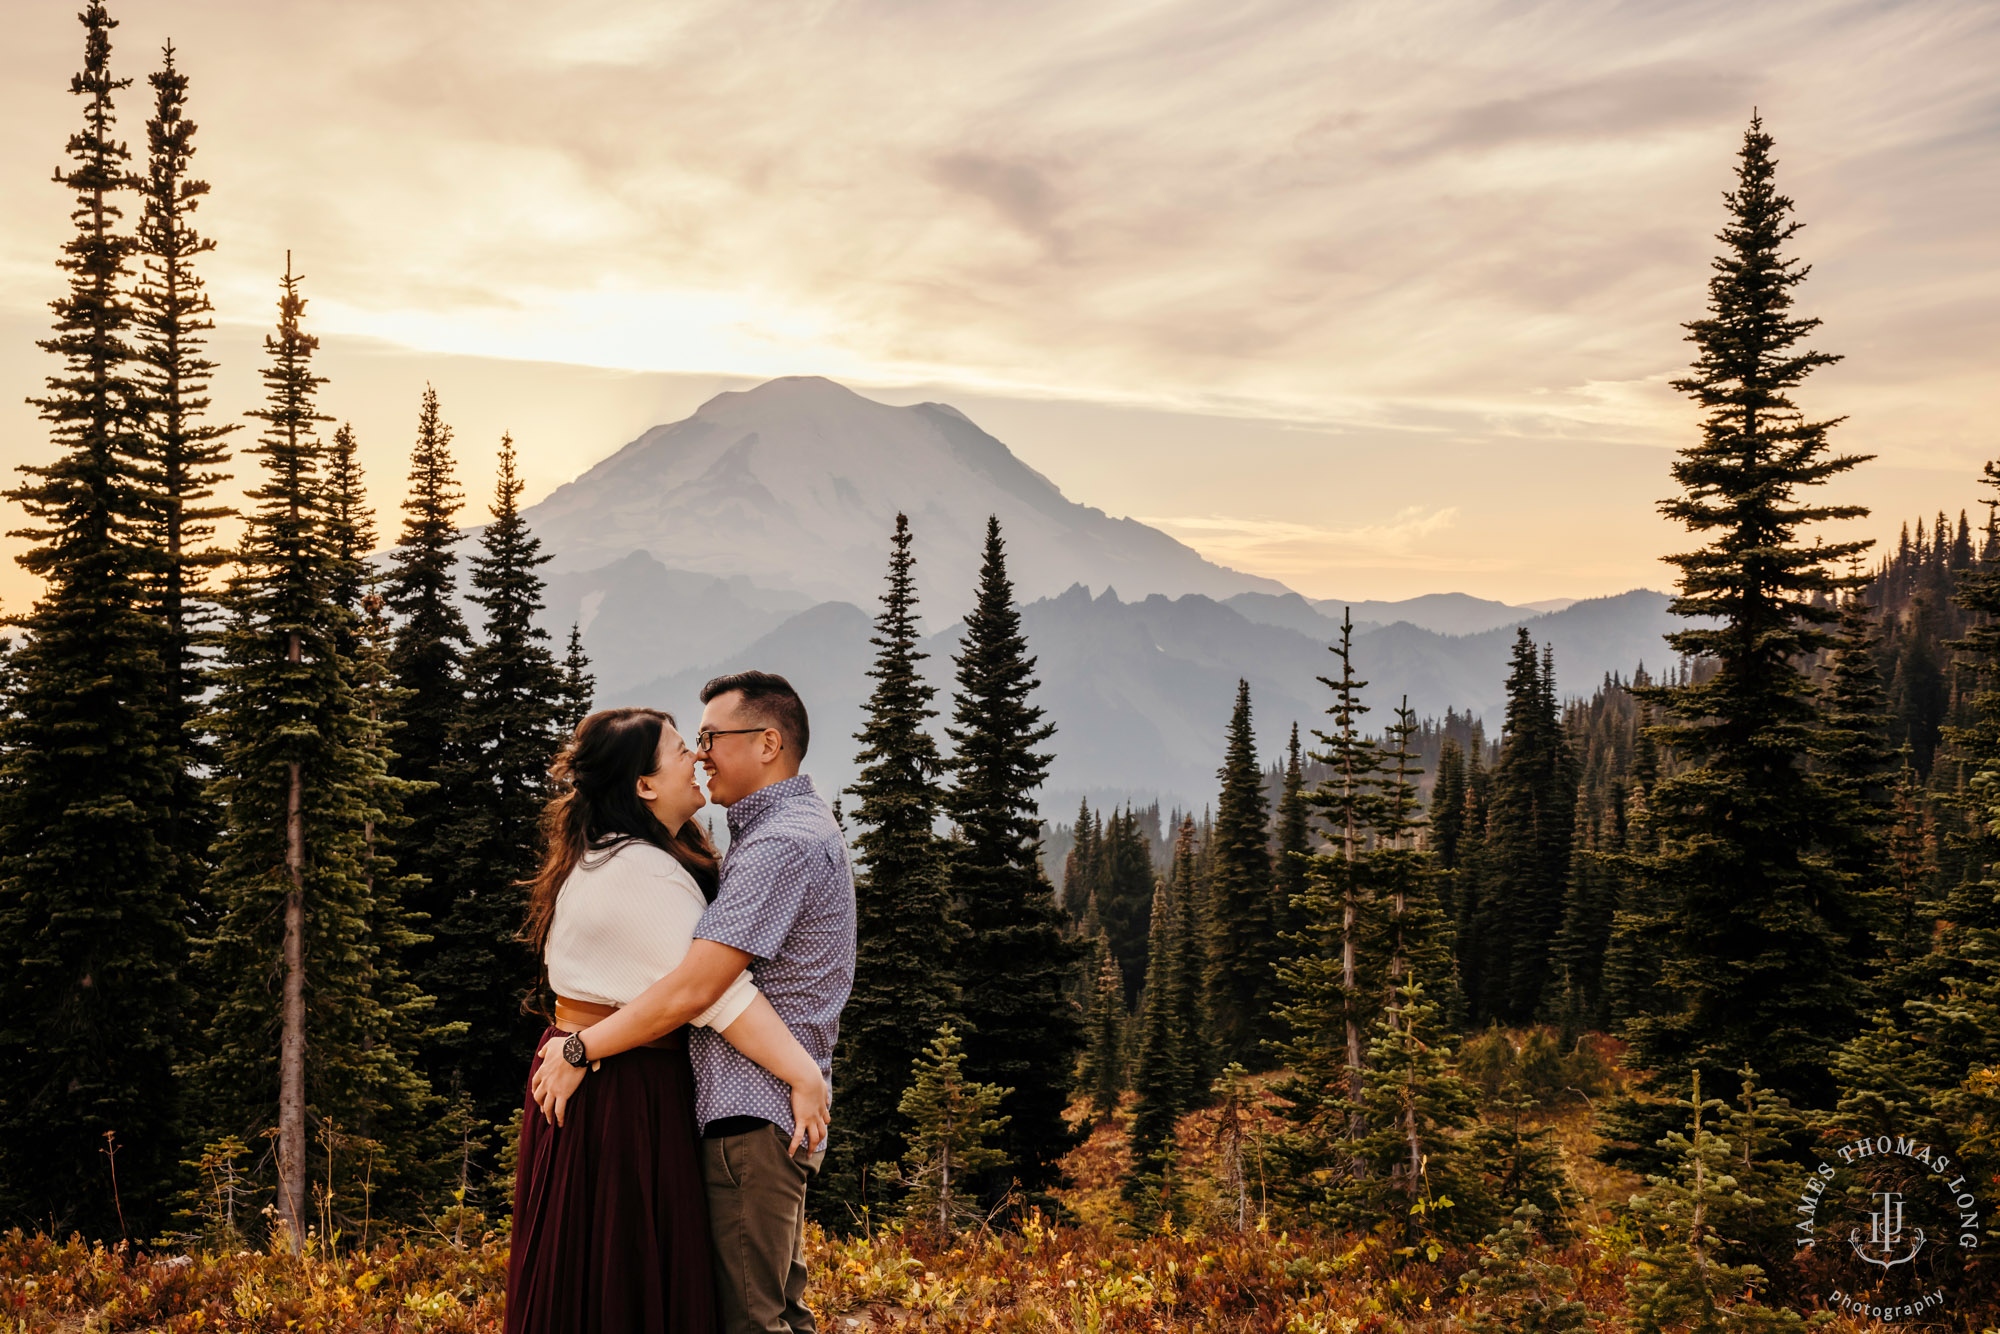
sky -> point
(1378, 299)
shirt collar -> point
(744, 815)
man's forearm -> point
(658, 1011)
(669, 1003)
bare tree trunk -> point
(1351, 988)
(944, 1191)
(292, 1042)
(1416, 1148)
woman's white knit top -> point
(624, 919)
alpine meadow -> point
(1226, 959)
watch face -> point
(573, 1049)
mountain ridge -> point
(795, 484)
(1140, 691)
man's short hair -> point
(769, 699)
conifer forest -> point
(1415, 1025)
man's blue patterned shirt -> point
(787, 898)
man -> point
(785, 910)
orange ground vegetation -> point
(1086, 1274)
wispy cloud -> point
(1299, 549)
(1476, 222)
(1286, 208)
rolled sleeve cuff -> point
(730, 1005)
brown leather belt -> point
(572, 1015)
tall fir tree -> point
(1080, 866)
(1330, 1006)
(510, 729)
(1292, 842)
(1196, 1059)
(350, 524)
(900, 994)
(1447, 804)
(185, 451)
(1590, 903)
(1416, 938)
(1159, 1073)
(306, 1033)
(1757, 922)
(1122, 882)
(394, 1126)
(92, 895)
(1014, 967)
(1857, 769)
(579, 684)
(1528, 828)
(1243, 944)
(428, 661)
(1102, 1073)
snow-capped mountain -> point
(795, 485)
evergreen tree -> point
(1515, 1293)
(1416, 939)
(1195, 1060)
(901, 899)
(1330, 1008)
(1857, 768)
(1684, 1280)
(1925, 1065)
(1159, 1076)
(1467, 889)
(295, 777)
(1590, 903)
(953, 1121)
(1520, 1167)
(1407, 1135)
(1015, 964)
(92, 871)
(1123, 880)
(1528, 828)
(183, 451)
(1080, 867)
(1756, 922)
(395, 1126)
(428, 662)
(579, 685)
(510, 729)
(1243, 945)
(1103, 1072)
(1448, 804)
(1294, 842)
(350, 524)
(1635, 953)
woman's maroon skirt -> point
(610, 1214)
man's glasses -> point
(705, 738)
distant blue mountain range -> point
(756, 532)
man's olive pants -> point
(757, 1216)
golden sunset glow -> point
(1374, 299)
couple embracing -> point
(679, 1101)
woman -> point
(610, 1214)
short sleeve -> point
(761, 897)
(730, 1005)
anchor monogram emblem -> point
(1885, 1232)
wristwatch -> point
(573, 1052)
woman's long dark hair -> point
(597, 809)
